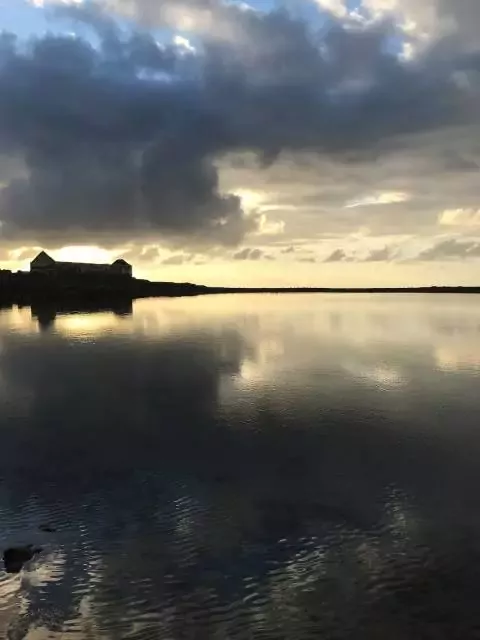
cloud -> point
(184, 43)
(460, 217)
(387, 197)
(357, 253)
(379, 255)
(433, 18)
(150, 254)
(267, 227)
(338, 255)
(107, 151)
(458, 163)
(127, 138)
(156, 254)
(137, 253)
(336, 7)
(249, 254)
(177, 259)
(451, 248)
(396, 249)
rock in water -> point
(47, 528)
(15, 557)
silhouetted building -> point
(45, 264)
(5, 275)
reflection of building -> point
(45, 264)
(46, 313)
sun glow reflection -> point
(86, 324)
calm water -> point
(243, 467)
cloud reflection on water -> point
(284, 465)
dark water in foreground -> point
(285, 467)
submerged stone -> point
(15, 557)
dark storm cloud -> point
(107, 148)
(121, 139)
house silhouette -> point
(46, 265)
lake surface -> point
(240, 467)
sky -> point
(274, 142)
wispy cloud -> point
(386, 197)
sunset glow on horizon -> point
(244, 144)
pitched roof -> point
(42, 255)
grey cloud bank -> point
(122, 139)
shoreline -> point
(281, 290)
(26, 289)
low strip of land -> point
(344, 290)
(25, 288)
